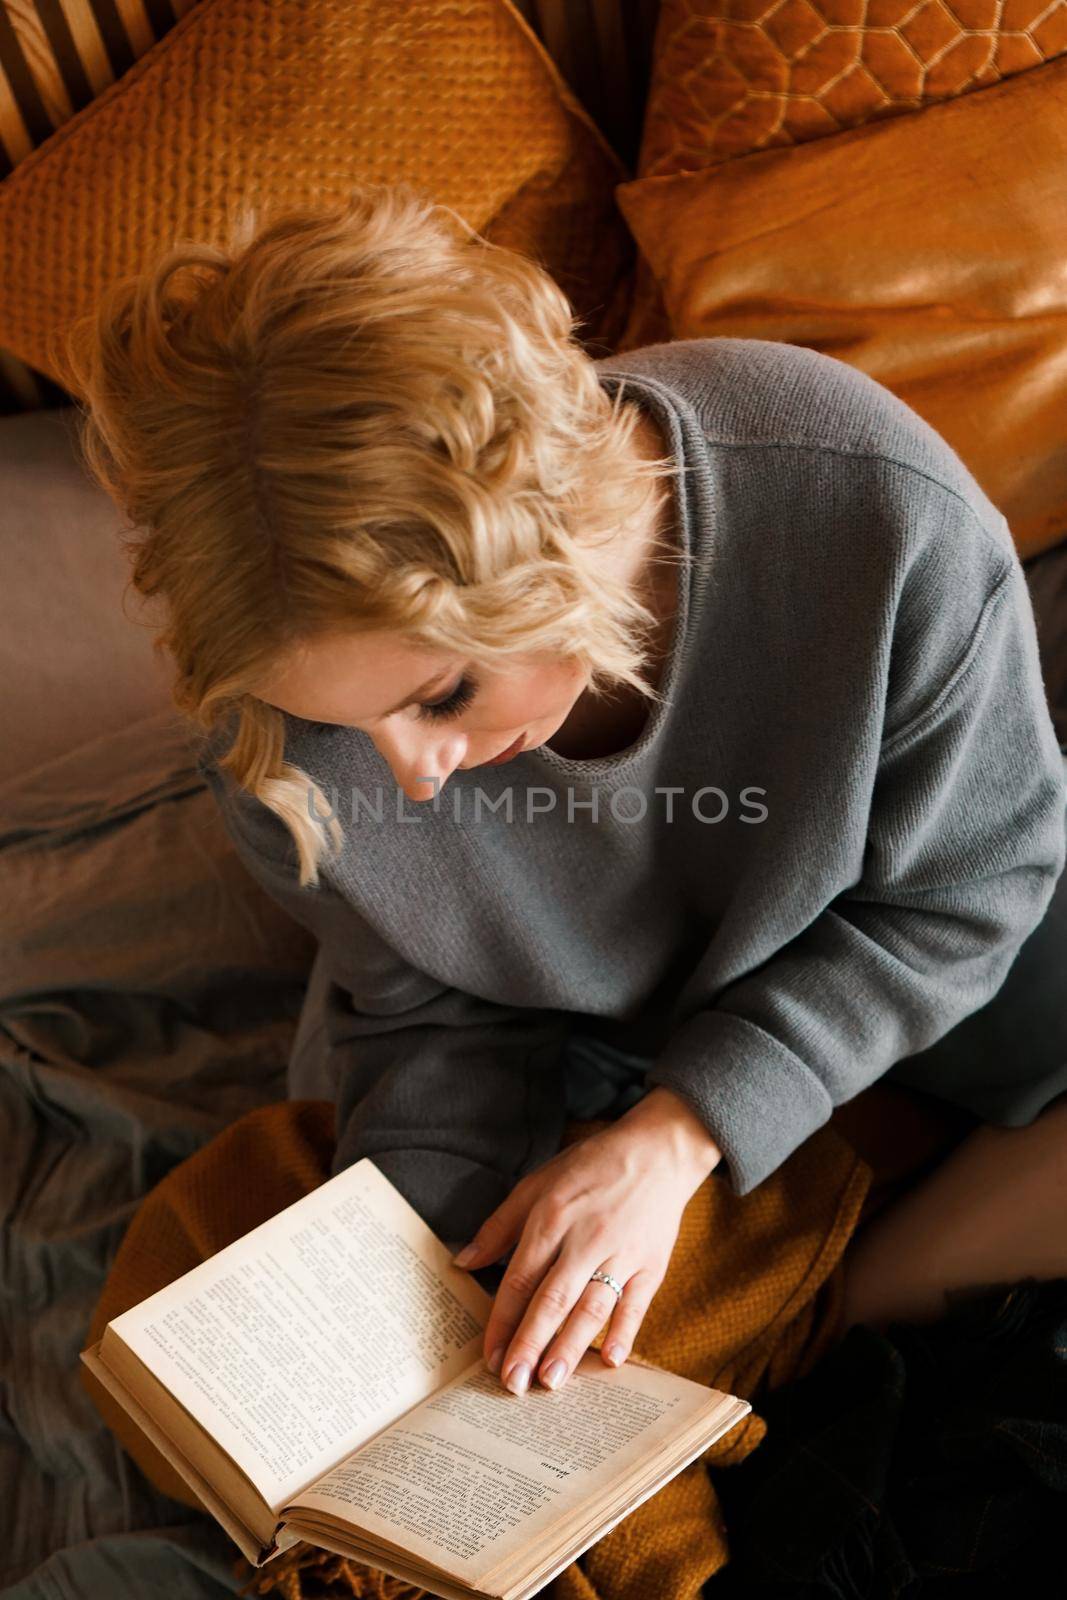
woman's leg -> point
(994, 1211)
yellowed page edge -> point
(587, 1523)
(202, 1451)
(614, 1503)
(396, 1568)
(242, 1536)
(372, 1556)
(521, 1590)
(545, 1453)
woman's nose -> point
(416, 760)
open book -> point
(322, 1379)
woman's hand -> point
(613, 1202)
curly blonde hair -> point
(362, 418)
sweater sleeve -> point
(452, 1096)
(965, 843)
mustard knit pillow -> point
(294, 102)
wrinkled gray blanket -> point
(148, 997)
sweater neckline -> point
(680, 426)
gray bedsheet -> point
(148, 997)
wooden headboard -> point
(604, 50)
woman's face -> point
(427, 713)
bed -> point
(149, 996)
(149, 991)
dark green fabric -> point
(929, 1461)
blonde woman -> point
(659, 738)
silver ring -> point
(605, 1277)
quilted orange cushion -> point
(729, 78)
(927, 250)
(295, 101)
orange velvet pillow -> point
(926, 250)
(731, 78)
(292, 103)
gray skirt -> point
(1004, 1063)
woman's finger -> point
(567, 1299)
(637, 1295)
(592, 1310)
(524, 1280)
(581, 1327)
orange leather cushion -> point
(728, 80)
(731, 78)
(927, 250)
(291, 103)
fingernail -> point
(518, 1378)
(496, 1358)
(468, 1253)
(614, 1354)
(553, 1373)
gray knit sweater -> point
(819, 855)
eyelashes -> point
(452, 706)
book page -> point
(474, 1473)
(297, 1343)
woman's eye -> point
(452, 706)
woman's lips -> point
(506, 755)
